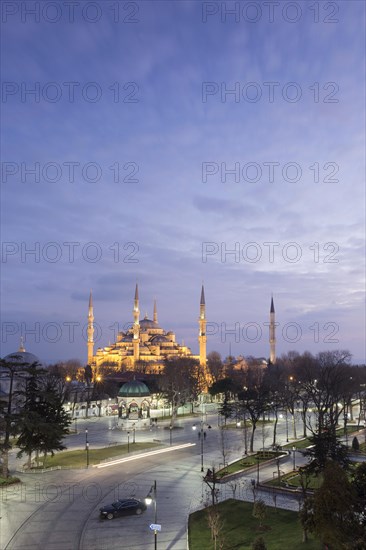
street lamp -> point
(148, 500)
(286, 427)
(202, 446)
(202, 436)
(134, 434)
(87, 447)
(257, 470)
(170, 434)
(245, 435)
(293, 457)
(128, 442)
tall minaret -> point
(272, 334)
(155, 317)
(136, 326)
(90, 330)
(202, 328)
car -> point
(123, 507)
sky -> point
(179, 142)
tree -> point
(216, 524)
(358, 481)
(306, 515)
(306, 511)
(259, 511)
(14, 372)
(326, 446)
(254, 397)
(42, 421)
(211, 480)
(327, 384)
(226, 410)
(180, 382)
(274, 380)
(336, 522)
(215, 365)
(259, 544)
(71, 369)
(227, 386)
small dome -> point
(148, 323)
(158, 339)
(22, 357)
(135, 388)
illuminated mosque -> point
(144, 342)
(147, 344)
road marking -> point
(144, 455)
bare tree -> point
(215, 365)
(328, 389)
(180, 382)
(216, 524)
(254, 398)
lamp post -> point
(286, 427)
(170, 434)
(293, 457)
(257, 470)
(134, 435)
(245, 435)
(202, 446)
(345, 427)
(148, 501)
(202, 436)
(87, 447)
(128, 442)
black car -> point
(122, 507)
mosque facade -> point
(145, 342)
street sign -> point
(155, 527)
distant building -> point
(12, 380)
(145, 342)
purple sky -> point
(145, 92)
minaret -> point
(21, 347)
(136, 326)
(155, 317)
(272, 334)
(90, 330)
(202, 328)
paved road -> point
(59, 510)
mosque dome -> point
(22, 356)
(135, 388)
(158, 339)
(148, 323)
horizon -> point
(172, 143)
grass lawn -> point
(77, 459)
(281, 529)
(248, 461)
(303, 443)
(293, 481)
(8, 480)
